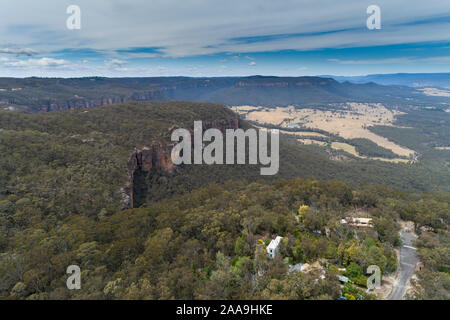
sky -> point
(199, 38)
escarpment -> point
(155, 161)
(79, 102)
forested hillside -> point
(56, 94)
(210, 244)
(201, 231)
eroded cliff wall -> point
(157, 157)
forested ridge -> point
(61, 176)
(56, 94)
(210, 244)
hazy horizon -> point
(237, 76)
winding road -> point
(408, 262)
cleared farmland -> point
(350, 122)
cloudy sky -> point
(222, 37)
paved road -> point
(408, 261)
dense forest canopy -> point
(210, 244)
(201, 231)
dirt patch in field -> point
(310, 141)
(435, 92)
(352, 150)
(244, 109)
(345, 147)
(304, 133)
(276, 116)
(350, 122)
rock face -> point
(158, 157)
(76, 103)
(142, 162)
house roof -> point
(362, 220)
(342, 278)
(274, 243)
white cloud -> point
(116, 64)
(42, 62)
(374, 61)
(19, 51)
(401, 60)
(195, 27)
(253, 63)
(444, 59)
(191, 69)
(165, 69)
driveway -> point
(408, 262)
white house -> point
(362, 222)
(358, 222)
(273, 247)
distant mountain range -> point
(437, 80)
(53, 94)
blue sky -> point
(121, 38)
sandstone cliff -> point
(158, 156)
(75, 103)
